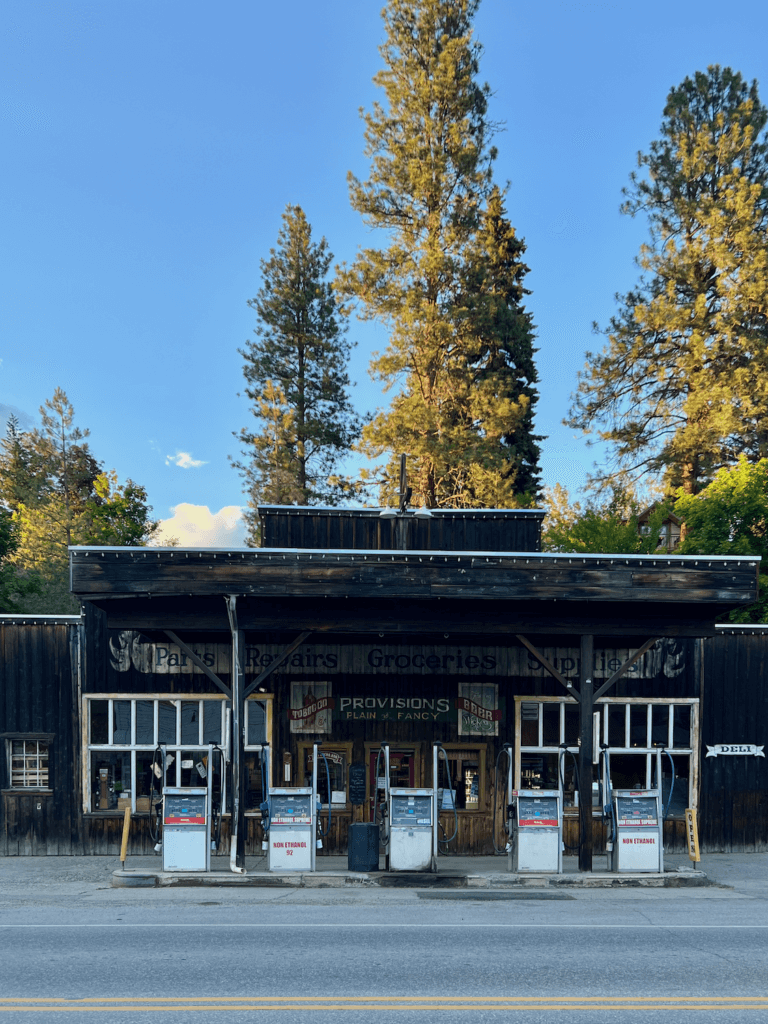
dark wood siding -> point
(38, 684)
(734, 789)
(364, 529)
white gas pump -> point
(292, 835)
(186, 816)
(537, 831)
(637, 825)
(411, 818)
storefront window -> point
(337, 761)
(29, 764)
(124, 733)
(466, 774)
(632, 730)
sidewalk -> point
(746, 872)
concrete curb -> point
(404, 880)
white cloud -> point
(195, 526)
(184, 460)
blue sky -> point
(150, 149)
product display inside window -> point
(110, 781)
(29, 764)
(337, 769)
(465, 778)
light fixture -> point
(388, 513)
(423, 513)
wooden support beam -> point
(199, 662)
(586, 740)
(626, 666)
(238, 734)
(265, 674)
(549, 667)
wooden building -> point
(354, 627)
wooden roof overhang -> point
(412, 592)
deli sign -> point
(731, 749)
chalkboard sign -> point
(357, 782)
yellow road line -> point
(133, 1000)
(338, 1007)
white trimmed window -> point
(631, 727)
(28, 763)
(123, 731)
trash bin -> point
(363, 847)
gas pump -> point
(410, 818)
(637, 825)
(292, 831)
(187, 811)
(537, 837)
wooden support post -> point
(586, 739)
(238, 734)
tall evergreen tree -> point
(448, 283)
(297, 378)
(681, 387)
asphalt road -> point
(82, 951)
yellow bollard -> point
(124, 844)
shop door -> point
(402, 772)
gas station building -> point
(353, 627)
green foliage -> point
(55, 494)
(607, 527)
(730, 517)
(448, 285)
(681, 387)
(297, 379)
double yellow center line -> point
(253, 1004)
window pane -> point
(337, 769)
(212, 721)
(681, 733)
(121, 722)
(616, 725)
(638, 725)
(166, 722)
(571, 724)
(145, 722)
(551, 724)
(628, 771)
(110, 780)
(190, 722)
(257, 721)
(529, 732)
(660, 725)
(99, 721)
(194, 770)
(254, 790)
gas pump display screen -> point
(411, 810)
(636, 810)
(184, 810)
(537, 810)
(290, 810)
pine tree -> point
(448, 284)
(297, 378)
(681, 388)
(57, 495)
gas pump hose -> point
(665, 811)
(499, 851)
(445, 842)
(563, 751)
(383, 840)
(606, 775)
(155, 830)
(330, 795)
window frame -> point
(28, 737)
(692, 751)
(482, 750)
(175, 748)
(342, 747)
